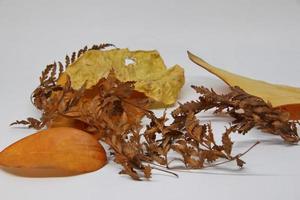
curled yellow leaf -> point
(54, 152)
(145, 68)
(285, 97)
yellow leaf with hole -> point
(146, 68)
(285, 97)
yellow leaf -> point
(54, 152)
(146, 68)
(285, 97)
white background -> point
(256, 38)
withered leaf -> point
(248, 111)
(147, 70)
(240, 162)
(55, 152)
(227, 143)
(111, 111)
(147, 171)
(285, 97)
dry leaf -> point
(145, 68)
(55, 152)
(111, 110)
(248, 111)
(285, 97)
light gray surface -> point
(255, 38)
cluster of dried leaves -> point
(112, 111)
(247, 110)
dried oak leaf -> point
(146, 69)
(54, 152)
(281, 96)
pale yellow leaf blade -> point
(283, 96)
(146, 69)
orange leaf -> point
(54, 152)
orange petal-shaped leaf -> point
(54, 152)
(285, 97)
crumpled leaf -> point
(54, 152)
(146, 69)
(282, 96)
